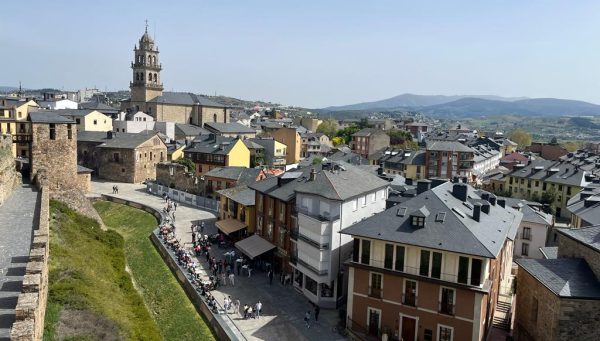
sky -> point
(311, 53)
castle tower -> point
(145, 84)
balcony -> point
(410, 300)
(446, 308)
(294, 233)
(375, 292)
(319, 217)
(322, 271)
(21, 138)
(322, 244)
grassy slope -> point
(172, 310)
(87, 272)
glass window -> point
(356, 250)
(69, 132)
(476, 265)
(311, 285)
(463, 270)
(52, 131)
(525, 249)
(527, 233)
(399, 266)
(389, 256)
(410, 293)
(365, 254)
(447, 301)
(326, 290)
(364, 200)
(376, 286)
(354, 204)
(534, 309)
(436, 265)
(445, 334)
(424, 267)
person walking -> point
(175, 206)
(270, 274)
(307, 319)
(173, 216)
(232, 279)
(202, 228)
(317, 311)
(258, 309)
(117, 188)
(238, 306)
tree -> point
(317, 160)
(520, 137)
(189, 164)
(347, 133)
(398, 137)
(336, 141)
(570, 146)
(329, 127)
(548, 197)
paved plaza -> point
(283, 307)
(17, 220)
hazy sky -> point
(312, 53)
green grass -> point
(87, 274)
(175, 315)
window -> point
(356, 250)
(364, 201)
(389, 256)
(282, 237)
(365, 253)
(281, 212)
(525, 249)
(447, 301)
(95, 122)
(116, 157)
(52, 131)
(527, 233)
(436, 266)
(463, 270)
(537, 183)
(326, 290)
(311, 285)
(424, 268)
(560, 187)
(373, 197)
(78, 120)
(410, 293)
(399, 266)
(476, 265)
(354, 204)
(417, 221)
(544, 186)
(569, 190)
(69, 132)
(445, 333)
(376, 285)
(428, 335)
(534, 310)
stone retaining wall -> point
(221, 325)
(10, 178)
(31, 304)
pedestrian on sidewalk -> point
(117, 188)
(238, 306)
(175, 206)
(258, 309)
(307, 319)
(173, 216)
(232, 279)
(270, 274)
(114, 189)
(202, 228)
(317, 311)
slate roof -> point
(252, 145)
(94, 105)
(48, 117)
(589, 235)
(185, 98)
(242, 175)
(348, 182)
(531, 211)
(567, 174)
(81, 169)
(576, 204)
(565, 277)
(368, 132)
(449, 226)
(74, 112)
(240, 194)
(284, 190)
(189, 129)
(549, 252)
(454, 146)
(118, 140)
(392, 156)
(210, 144)
(229, 128)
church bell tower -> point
(145, 84)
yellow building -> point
(292, 139)
(88, 120)
(237, 211)
(13, 120)
(211, 151)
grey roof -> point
(392, 157)
(95, 105)
(189, 129)
(565, 277)
(348, 182)
(531, 211)
(284, 190)
(456, 232)
(453, 146)
(589, 235)
(229, 128)
(118, 140)
(252, 145)
(240, 194)
(567, 174)
(210, 144)
(48, 117)
(185, 98)
(242, 175)
(577, 205)
(549, 252)
(81, 169)
(72, 112)
(368, 132)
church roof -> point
(185, 98)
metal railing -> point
(324, 246)
(312, 268)
(446, 308)
(319, 217)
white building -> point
(140, 121)
(329, 201)
(534, 229)
(57, 104)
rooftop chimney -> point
(477, 212)
(459, 191)
(584, 195)
(502, 203)
(313, 175)
(423, 186)
(408, 181)
(109, 134)
(485, 208)
(485, 196)
(455, 179)
(492, 200)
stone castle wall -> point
(10, 178)
(174, 175)
(568, 247)
(31, 304)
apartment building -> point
(212, 151)
(431, 267)
(535, 230)
(408, 163)
(368, 141)
(585, 206)
(447, 159)
(291, 138)
(273, 152)
(237, 212)
(328, 201)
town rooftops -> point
(185, 98)
(74, 112)
(341, 181)
(549, 252)
(451, 224)
(283, 187)
(532, 212)
(95, 105)
(189, 130)
(447, 146)
(589, 235)
(586, 204)
(550, 171)
(211, 144)
(115, 140)
(240, 194)
(368, 132)
(228, 128)
(241, 175)
(48, 117)
(565, 277)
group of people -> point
(170, 206)
(115, 189)
(252, 311)
(317, 310)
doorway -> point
(408, 327)
(374, 320)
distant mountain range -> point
(470, 106)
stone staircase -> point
(502, 314)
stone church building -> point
(147, 93)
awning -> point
(228, 226)
(254, 246)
